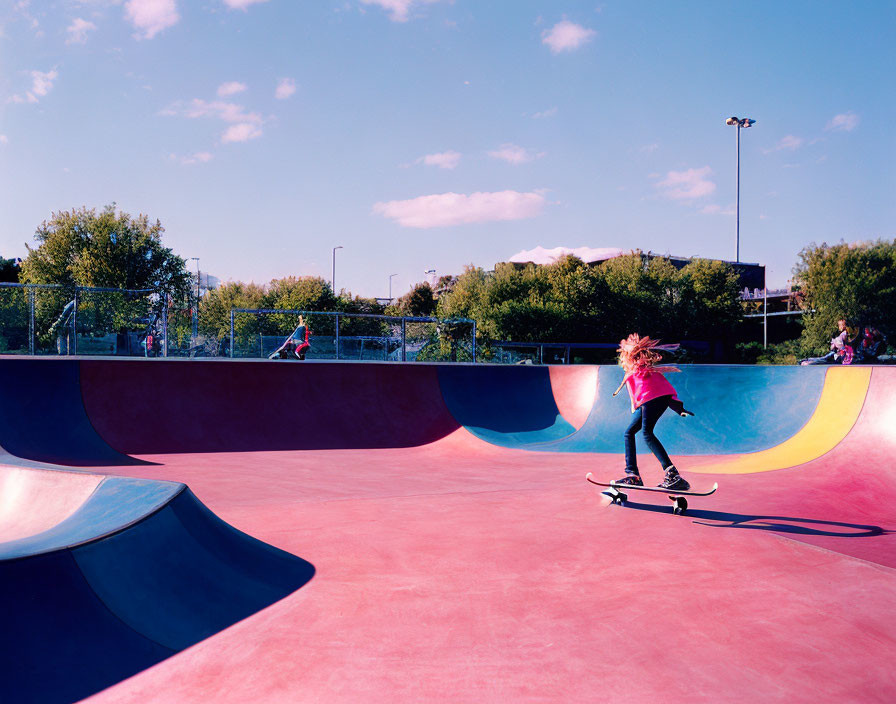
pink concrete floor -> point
(461, 572)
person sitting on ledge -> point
(841, 352)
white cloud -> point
(150, 17)
(241, 132)
(444, 160)
(542, 256)
(4, 139)
(649, 148)
(513, 154)
(196, 158)
(41, 84)
(447, 209)
(788, 143)
(285, 88)
(714, 209)
(399, 10)
(241, 4)
(77, 31)
(231, 88)
(566, 36)
(219, 109)
(687, 185)
(845, 122)
(244, 125)
(550, 112)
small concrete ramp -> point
(119, 574)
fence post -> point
(337, 336)
(31, 325)
(231, 333)
(404, 338)
(75, 323)
(474, 342)
(165, 327)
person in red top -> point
(651, 394)
(296, 345)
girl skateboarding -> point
(651, 394)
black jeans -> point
(644, 419)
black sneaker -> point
(673, 480)
(630, 479)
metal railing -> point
(391, 333)
(38, 319)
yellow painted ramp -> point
(842, 398)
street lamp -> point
(333, 280)
(197, 277)
(739, 122)
(196, 308)
(390, 286)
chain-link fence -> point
(64, 320)
(68, 320)
(16, 320)
(261, 332)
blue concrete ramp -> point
(738, 409)
(141, 571)
(504, 405)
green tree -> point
(640, 296)
(852, 281)
(467, 300)
(107, 249)
(361, 326)
(709, 300)
(419, 302)
(214, 310)
(569, 301)
(300, 293)
(310, 293)
(9, 271)
(104, 249)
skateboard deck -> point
(679, 502)
(659, 490)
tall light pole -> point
(333, 280)
(390, 286)
(739, 122)
(196, 309)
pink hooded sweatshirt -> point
(645, 385)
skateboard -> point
(679, 502)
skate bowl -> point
(457, 552)
(119, 571)
(105, 413)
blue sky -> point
(430, 134)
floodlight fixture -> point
(738, 122)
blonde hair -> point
(638, 353)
